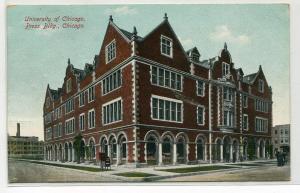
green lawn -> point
(246, 164)
(197, 169)
(90, 169)
(134, 174)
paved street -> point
(269, 173)
(26, 172)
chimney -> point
(18, 130)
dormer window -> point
(110, 51)
(69, 85)
(261, 86)
(225, 69)
(166, 46)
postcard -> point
(148, 93)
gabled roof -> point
(249, 78)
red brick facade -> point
(140, 138)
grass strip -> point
(134, 174)
(196, 169)
(89, 169)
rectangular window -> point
(161, 77)
(81, 99)
(70, 105)
(245, 122)
(154, 74)
(200, 87)
(225, 69)
(261, 124)
(166, 109)
(200, 115)
(112, 111)
(155, 108)
(166, 78)
(227, 93)
(110, 51)
(261, 106)
(228, 118)
(112, 82)
(286, 132)
(55, 131)
(70, 126)
(166, 46)
(49, 133)
(245, 101)
(91, 93)
(69, 85)
(81, 122)
(91, 119)
(261, 85)
(59, 129)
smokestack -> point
(18, 130)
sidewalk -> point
(156, 170)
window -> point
(166, 109)
(261, 106)
(281, 131)
(112, 82)
(49, 133)
(245, 122)
(261, 124)
(81, 99)
(110, 51)
(227, 93)
(225, 69)
(91, 119)
(59, 129)
(275, 131)
(48, 117)
(112, 111)
(69, 85)
(81, 121)
(70, 126)
(55, 131)
(245, 101)
(166, 78)
(286, 140)
(228, 118)
(286, 132)
(91, 92)
(200, 88)
(260, 85)
(166, 46)
(276, 141)
(70, 105)
(200, 115)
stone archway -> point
(112, 149)
(122, 149)
(227, 149)
(151, 149)
(200, 148)
(66, 152)
(235, 151)
(181, 146)
(167, 150)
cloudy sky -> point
(255, 35)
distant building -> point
(281, 137)
(25, 147)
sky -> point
(255, 35)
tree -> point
(251, 148)
(77, 146)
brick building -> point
(25, 147)
(145, 100)
(281, 137)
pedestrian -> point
(277, 157)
